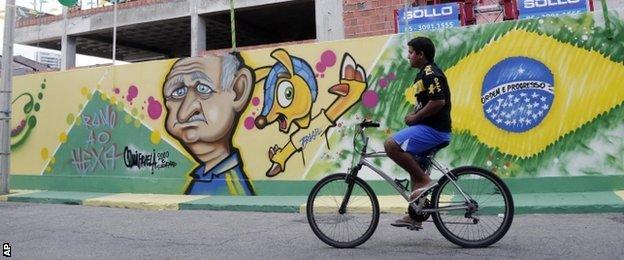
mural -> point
(531, 98)
(106, 140)
(204, 98)
(290, 89)
(25, 119)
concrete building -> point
(157, 29)
(53, 60)
(22, 66)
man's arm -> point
(432, 107)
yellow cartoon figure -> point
(290, 90)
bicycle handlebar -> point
(368, 123)
(361, 126)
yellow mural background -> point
(579, 75)
(254, 144)
(68, 92)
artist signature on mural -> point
(310, 137)
(154, 160)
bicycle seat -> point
(431, 152)
(425, 159)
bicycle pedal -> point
(404, 183)
(414, 228)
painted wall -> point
(531, 99)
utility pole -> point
(114, 31)
(5, 93)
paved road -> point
(41, 231)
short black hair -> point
(425, 45)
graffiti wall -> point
(530, 99)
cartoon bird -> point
(290, 90)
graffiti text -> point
(153, 160)
(89, 159)
(106, 117)
(310, 137)
(98, 151)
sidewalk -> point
(525, 203)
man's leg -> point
(417, 176)
(406, 161)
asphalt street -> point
(50, 231)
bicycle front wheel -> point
(342, 229)
(490, 216)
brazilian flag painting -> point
(539, 97)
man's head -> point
(421, 51)
(204, 97)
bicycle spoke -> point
(491, 204)
(358, 221)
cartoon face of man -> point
(204, 97)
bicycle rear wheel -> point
(487, 222)
(348, 229)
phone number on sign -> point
(429, 26)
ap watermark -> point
(6, 250)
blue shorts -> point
(418, 139)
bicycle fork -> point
(350, 182)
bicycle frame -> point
(418, 207)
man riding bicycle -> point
(427, 127)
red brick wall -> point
(370, 17)
(376, 17)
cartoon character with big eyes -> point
(204, 98)
(290, 90)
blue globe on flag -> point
(517, 93)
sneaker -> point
(406, 221)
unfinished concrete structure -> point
(157, 29)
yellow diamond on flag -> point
(586, 84)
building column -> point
(329, 20)
(68, 52)
(198, 31)
(68, 45)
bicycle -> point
(461, 204)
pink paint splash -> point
(328, 58)
(370, 99)
(249, 123)
(133, 92)
(255, 101)
(320, 67)
(383, 83)
(116, 90)
(154, 108)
